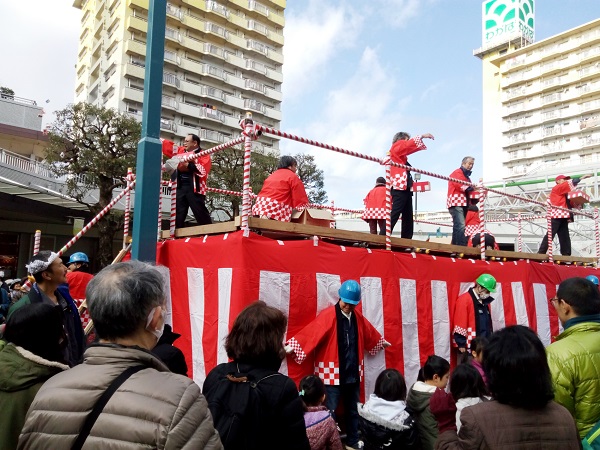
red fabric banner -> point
(408, 297)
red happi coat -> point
(202, 165)
(320, 337)
(456, 191)
(282, 191)
(375, 203)
(399, 154)
(464, 317)
(78, 282)
(558, 197)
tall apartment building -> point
(221, 60)
(538, 98)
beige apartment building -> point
(221, 59)
(540, 105)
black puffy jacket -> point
(378, 433)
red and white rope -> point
(37, 241)
(95, 220)
(173, 186)
(127, 212)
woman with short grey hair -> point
(153, 408)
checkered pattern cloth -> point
(470, 230)
(328, 372)
(469, 333)
(400, 181)
(378, 346)
(272, 209)
(374, 213)
(299, 355)
(559, 214)
(84, 315)
(456, 200)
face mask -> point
(159, 331)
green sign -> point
(502, 19)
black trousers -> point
(373, 226)
(187, 199)
(560, 227)
(402, 204)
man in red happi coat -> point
(338, 337)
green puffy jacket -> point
(21, 376)
(574, 361)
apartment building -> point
(221, 59)
(540, 102)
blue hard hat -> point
(593, 279)
(78, 257)
(350, 292)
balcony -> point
(257, 46)
(214, 71)
(174, 11)
(254, 105)
(215, 50)
(258, 27)
(215, 29)
(551, 131)
(172, 57)
(169, 102)
(212, 114)
(170, 33)
(212, 92)
(212, 136)
(171, 79)
(217, 8)
(255, 86)
(168, 125)
(130, 93)
(256, 66)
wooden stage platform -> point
(289, 231)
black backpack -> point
(236, 405)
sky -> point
(355, 73)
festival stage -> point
(407, 296)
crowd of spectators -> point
(129, 389)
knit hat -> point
(380, 180)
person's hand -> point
(288, 349)
(443, 407)
(462, 350)
(386, 344)
(428, 136)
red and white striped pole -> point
(159, 230)
(388, 207)
(332, 224)
(549, 232)
(597, 229)
(173, 185)
(127, 214)
(482, 220)
(36, 242)
(519, 234)
(246, 200)
(95, 220)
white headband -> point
(38, 265)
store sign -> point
(503, 19)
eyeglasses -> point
(552, 300)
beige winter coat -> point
(153, 409)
